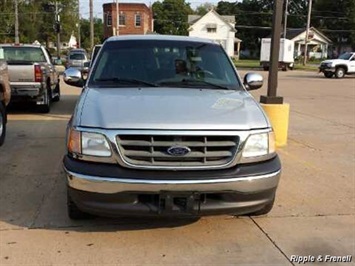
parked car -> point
(32, 74)
(77, 58)
(165, 126)
(344, 65)
(5, 96)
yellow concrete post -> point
(279, 116)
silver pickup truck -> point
(5, 96)
(32, 74)
(165, 126)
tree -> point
(6, 20)
(85, 33)
(336, 19)
(36, 20)
(170, 17)
(203, 9)
(253, 21)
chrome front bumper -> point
(107, 185)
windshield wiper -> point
(194, 81)
(125, 80)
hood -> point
(169, 109)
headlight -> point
(258, 145)
(94, 144)
(87, 143)
(328, 64)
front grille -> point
(152, 150)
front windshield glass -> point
(163, 63)
(345, 56)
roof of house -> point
(293, 33)
(192, 19)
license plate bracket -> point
(179, 202)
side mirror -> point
(253, 81)
(73, 77)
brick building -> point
(133, 19)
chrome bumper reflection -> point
(107, 185)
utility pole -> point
(271, 97)
(79, 21)
(79, 26)
(285, 20)
(91, 24)
(57, 28)
(307, 32)
(17, 39)
(117, 19)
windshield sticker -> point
(227, 103)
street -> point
(314, 213)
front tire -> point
(328, 74)
(2, 123)
(339, 72)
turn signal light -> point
(74, 141)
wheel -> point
(265, 210)
(339, 72)
(328, 74)
(56, 98)
(46, 107)
(74, 212)
(284, 68)
(266, 68)
(2, 123)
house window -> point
(211, 28)
(122, 19)
(109, 20)
(138, 20)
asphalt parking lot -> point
(314, 213)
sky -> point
(84, 5)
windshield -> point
(163, 63)
(77, 56)
(23, 54)
(345, 56)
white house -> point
(216, 27)
(318, 43)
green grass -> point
(253, 64)
(247, 63)
(307, 67)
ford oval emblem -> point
(178, 150)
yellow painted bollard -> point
(279, 116)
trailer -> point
(286, 54)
